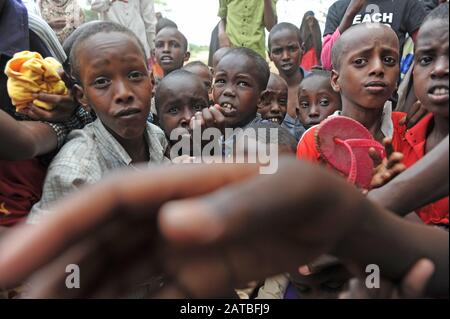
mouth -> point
(166, 59)
(276, 120)
(228, 109)
(439, 94)
(130, 112)
(376, 87)
(286, 66)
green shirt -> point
(245, 23)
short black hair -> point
(194, 64)
(283, 137)
(184, 41)
(284, 26)
(93, 29)
(262, 68)
(319, 73)
(165, 23)
(180, 73)
(439, 13)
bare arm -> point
(352, 10)
(423, 183)
(20, 140)
(270, 15)
(215, 232)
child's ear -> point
(335, 81)
(81, 97)
(187, 56)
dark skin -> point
(274, 100)
(317, 101)
(236, 90)
(204, 74)
(215, 232)
(286, 52)
(180, 100)
(170, 50)
(431, 77)
(115, 82)
(367, 75)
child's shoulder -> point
(157, 135)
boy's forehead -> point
(357, 37)
(237, 63)
(275, 81)
(169, 33)
(431, 31)
(283, 35)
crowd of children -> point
(118, 115)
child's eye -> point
(304, 105)
(293, 48)
(425, 60)
(243, 84)
(219, 81)
(277, 51)
(135, 75)
(324, 102)
(360, 61)
(390, 60)
(282, 102)
(198, 107)
(101, 83)
(173, 111)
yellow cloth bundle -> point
(28, 73)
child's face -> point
(273, 103)
(369, 68)
(169, 50)
(237, 90)
(431, 79)
(317, 101)
(286, 52)
(180, 100)
(205, 75)
(116, 83)
(327, 284)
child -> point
(274, 100)
(366, 62)
(218, 55)
(286, 51)
(109, 66)
(431, 86)
(317, 99)
(178, 97)
(171, 49)
(202, 70)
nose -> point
(376, 68)
(440, 68)
(314, 111)
(166, 48)
(229, 92)
(186, 117)
(286, 55)
(122, 93)
(275, 108)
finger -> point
(208, 118)
(49, 98)
(389, 148)
(40, 113)
(416, 117)
(415, 282)
(219, 118)
(375, 156)
(81, 212)
(323, 262)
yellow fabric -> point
(28, 73)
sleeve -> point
(334, 18)
(293, 126)
(223, 9)
(99, 5)
(413, 16)
(149, 17)
(307, 149)
(327, 49)
(62, 179)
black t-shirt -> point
(404, 16)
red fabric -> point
(413, 150)
(20, 188)
(309, 60)
(307, 149)
(327, 49)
